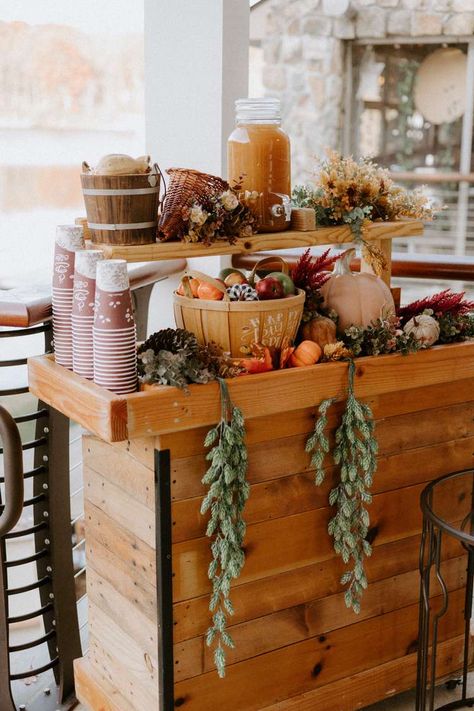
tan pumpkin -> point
(320, 330)
(357, 298)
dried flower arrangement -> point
(204, 208)
(221, 217)
(453, 313)
(174, 357)
(355, 192)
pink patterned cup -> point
(83, 311)
(114, 333)
(69, 240)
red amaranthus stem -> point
(445, 302)
(310, 273)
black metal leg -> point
(164, 572)
(6, 699)
(467, 618)
(65, 609)
(427, 552)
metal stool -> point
(434, 502)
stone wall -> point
(304, 49)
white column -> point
(196, 65)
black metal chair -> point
(434, 504)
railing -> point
(452, 232)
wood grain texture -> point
(279, 545)
(316, 617)
(381, 682)
(397, 436)
(95, 691)
(95, 408)
(301, 585)
(259, 242)
(166, 409)
(268, 678)
(416, 399)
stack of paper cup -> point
(69, 239)
(115, 347)
(83, 311)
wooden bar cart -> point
(297, 647)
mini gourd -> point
(357, 298)
(320, 330)
(424, 328)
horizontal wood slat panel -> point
(317, 617)
(404, 402)
(122, 543)
(125, 510)
(120, 467)
(265, 679)
(381, 682)
(301, 585)
(94, 690)
(287, 455)
(295, 541)
(297, 493)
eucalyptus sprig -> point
(355, 453)
(227, 493)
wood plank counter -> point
(297, 647)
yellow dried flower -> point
(336, 351)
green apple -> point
(286, 281)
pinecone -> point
(171, 339)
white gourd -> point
(122, 164)
(357, 298)
(424, 328)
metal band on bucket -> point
(131, 226)
(120, 191)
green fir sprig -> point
(228, 490)
(355, 454)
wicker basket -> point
(122, 209)
(185, 187)
(236, 325)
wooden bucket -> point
(237, 325)
(122, 209)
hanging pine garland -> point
(355, 453)
(228, 491)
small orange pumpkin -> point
(307, 353)
(210, 292)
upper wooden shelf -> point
(260, 242)
(164, 409)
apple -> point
(224, 273)
(270, 288)
(235, 278)
(287, 281)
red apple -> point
(270, 288)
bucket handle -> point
(268, 260)
(158, 170)
(193, 274)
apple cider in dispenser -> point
(258, 152)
